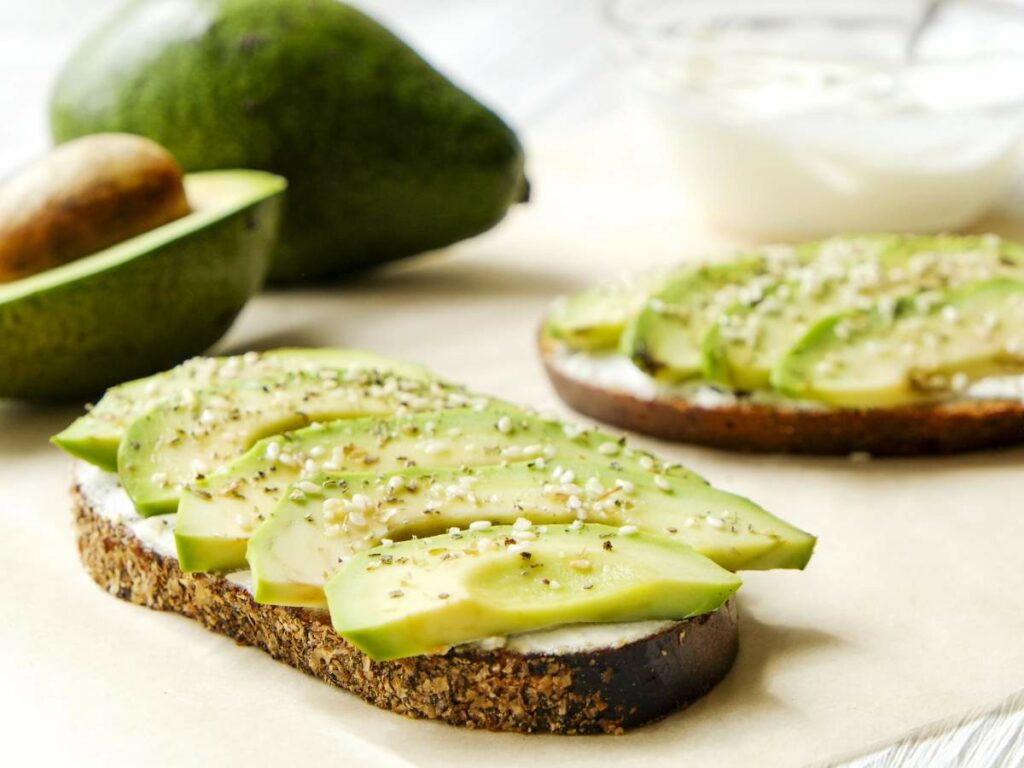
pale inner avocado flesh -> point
(297, 549)
(421, 596)
(217, 515)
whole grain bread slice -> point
(598, 691)
(948, 427)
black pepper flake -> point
(608, 545)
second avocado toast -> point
(440, 553)
(888, 344)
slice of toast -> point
(737, 425)
(656, 668)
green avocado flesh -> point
(186, 439)
(748, 340)
(422, 596)
(384, 156)
(297, 549)
(595, 319)
(217, 515)
(665, 336)
(145, 303)
(925, 348)
(732, 324)
(96, 436)
(308, 467)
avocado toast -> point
(439, 553)
(885, 344)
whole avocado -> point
(385, 157)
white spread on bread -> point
(614, 371)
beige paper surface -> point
(912, 609)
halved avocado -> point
(143, 304)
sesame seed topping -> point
(580, 565)
(521, 524)
(309, 488)
(628, 530)
(608, 449)
(662, 483)
(715, 522)
(504, 425)
(480, 525)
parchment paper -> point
(912, 609)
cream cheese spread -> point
(617, 372)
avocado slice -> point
(594, 320)
(145, 303)
(182, 441)
(217, 515)
(386, 157)
(923, 348)
(329, 518)
(96, 436)
(747, 341)
(423, 596)
(665, 338)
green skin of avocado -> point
(384, 156)
(144, 304)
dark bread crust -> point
(954, 427)
(603, 691)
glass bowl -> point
(790, 119)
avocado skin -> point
(70, 339)
(385, 157)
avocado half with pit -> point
(145, 303)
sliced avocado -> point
(423, 596)
(594, 320)
(182, 441)
(747, 340)
(665, 337)
(317, 526)
(217, 515)
(96, 436)
(923, 348)
(145, 303)
(385, 156)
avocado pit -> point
(83, 197)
